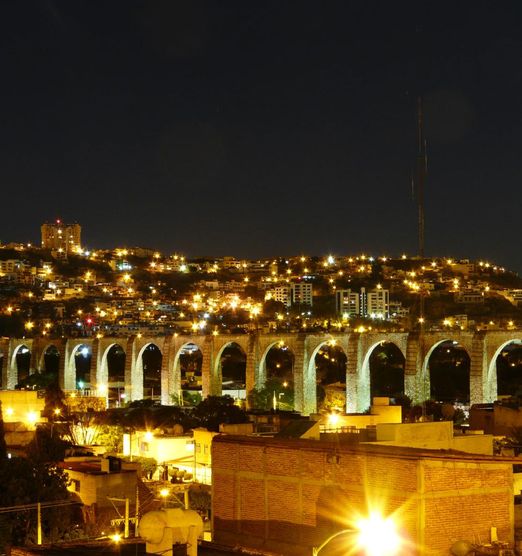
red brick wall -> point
(288, 496)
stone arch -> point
(492, 378)
(86, 351)
(364, 386)
(176, 380)
(44, 363)
(218, 367)
(310, 378)
(105, 386)
(14, 371)
(262, 362)
(262, 374)
(138, 383)
(426, 390)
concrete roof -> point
(364, 449)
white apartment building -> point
(347, 303)
(298, 293)
(375, 303)
(372, 303)
(282, 294)
(301, 293)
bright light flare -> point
(333, 419)
(378, 536)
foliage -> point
(191, 398)
(214, 410)
(274, 389)
(199, 498)
(111, 437)
(46, 447)
(37, 381)
(55, 400)
(188, 398)
(331, 397)
(157, 416)
(26, 481)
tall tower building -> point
(59, 236)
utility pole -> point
(39, 523)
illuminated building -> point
(299, 293)
(372, 303)
(59, 236)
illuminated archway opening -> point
(507, 366)
(188, 367)
(51, 361)
(386, 369)
(151, 360)
(448, 369)
(231, 367)
(275, 389)
(327, 369)
(113, 372)
(22, 362)
(81, 364)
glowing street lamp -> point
(378, 536)
(374, 535)
(164, 493)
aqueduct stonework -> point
(482, 348)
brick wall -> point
(287, 496)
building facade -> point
(288, 496)
(58, 236)
(373, 303)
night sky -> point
(258, 128)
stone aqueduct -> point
(482, 348)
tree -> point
(25, 481)
(273, 393)
(55, 407)
(46, 447)
(214, 410)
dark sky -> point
(255, 128)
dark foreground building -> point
(290, 495)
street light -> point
(317, 549)
(164, 493)
(373, 536)
(378, 536)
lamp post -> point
(374, 535)
(317, 549)
(164, 493)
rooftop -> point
(362, 449)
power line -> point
(34, 506)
